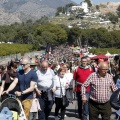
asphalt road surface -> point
(71, 113)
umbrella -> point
(100, 56)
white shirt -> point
(35, 105)
(57, 86)
(69, 77)
(45, 79)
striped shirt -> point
(100, 87)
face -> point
(62, 73)
(84, 62)
(65, 67)
(14, 69)
(25, 65)
(0, 71)
(32, 67)
(44, 67)
(88, 61)
(103, 69)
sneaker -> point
(56, 118)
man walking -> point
(27, 79)
(80, 76)
(44, 90)
(101, 84)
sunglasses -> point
(24, 64)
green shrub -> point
(7, 49)
(104, 50)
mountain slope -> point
(21, 10)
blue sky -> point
(97, 1)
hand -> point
(38, 92)
(5, 92)
(67, 86)
(73, 89)
(18, 93)
(53, 90)
(84, 99)
(39, 110)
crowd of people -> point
(41, 81)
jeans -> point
(79, 99)
(46, 106)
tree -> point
(73, 35)
(43, 20)
(89, 3)
(60, 10)
(113, 18)
(59, 32)
(97, 7)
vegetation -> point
(104, 51)
(112, 17)
(89, 3)
(7, 49)
(99, 38)
(37, 35)
(63, 10)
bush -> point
(7, 49)
(104, 50)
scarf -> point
(86, 67)
(10, 74)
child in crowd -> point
(34, 108)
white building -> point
(83, 5)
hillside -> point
(109, 7)
(12, 11)
(21, 10)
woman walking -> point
(60, 86)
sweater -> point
(80, 76)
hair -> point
(12, 64)
(26, 59)
(67, 65)
(54, 65)
(60, 69)
(2, 67)
(84, 58)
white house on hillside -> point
(83, 5)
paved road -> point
(71, 115)
(70, 112)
